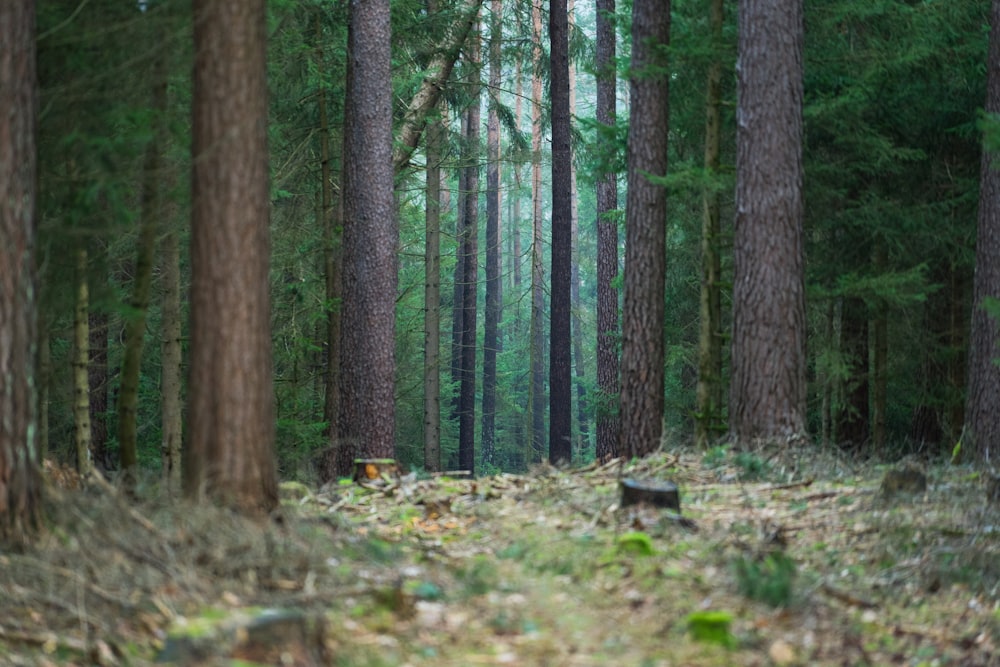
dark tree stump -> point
(657, 494)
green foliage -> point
(768, 579)
(712, 627)
(635, 543)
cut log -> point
(657, 494)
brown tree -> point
(708, 393)
(230, 456)
(560, 387)
(767, 398)
(982, 406)
(537, 325)
(367, 360)
(607, 244)
(491, 325)
(432, 300)
(642, 375)
(20, 483)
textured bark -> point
(432, 301)
(491, 324)
(20, 483)
(81, 363)
(560, 363)
(230, 456)
(607, 246)
(152, 210)
(708, 394)
(470, 260)
(537, 333)
(370, 241)
(768, 385)
(641, 406)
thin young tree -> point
(491, 324)
(20, 482)
(767, 398)
(560, 362)
(642, 398)
(607, 242)
(708, 393)
(982, 403)
(537, 330)
(432, 300)
(230, 457)
(470, 261)
(370, 241)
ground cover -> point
(792, 559)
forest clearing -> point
(782, 562)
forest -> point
(569, 190)
(451, 332)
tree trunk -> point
(491, 334)
(98, 389)
(152, 211)
(470, 259)
(81, 363)
(230, 457)
(853, 426)
(370, 241)
(708, 423)
(432, 301)
(560, 367)
(643, 351)
(20, 483)
(576, 307)
(607, 245)
(768, 385)
(171, 378)
(537, 275)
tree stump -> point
(657, 494)
(369, 470)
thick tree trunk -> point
(643, 351)
(371, 240)
(491, 325)
(20, 483)
(767, 396)
(560, 366)
(230, 456)
(607, 246)
(709, 422)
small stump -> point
(657, 494)
(369, 470)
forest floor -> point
(793, 560)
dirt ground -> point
(789, 559)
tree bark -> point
(171, 375)
(230, 457)
(432, 301)
(20, 482)
(607, 245)
(491, 324)
(470, 260)
(81, 364)
(370, 240)
(643, 351)
(537, 333)
(768, 385)
(708, 394)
